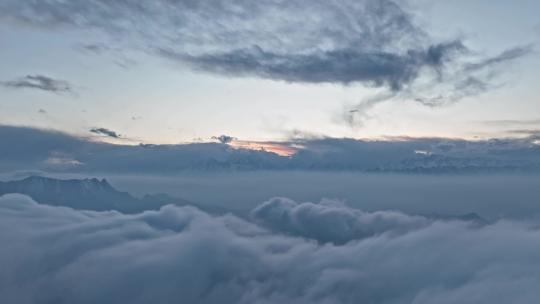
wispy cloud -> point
(118, 55)
(95, 48)
(531, 133)
(224, 139)
(368, 42)
(505, 56)
(343, 66)
(106, 132)
(512, 122)
(39, 82)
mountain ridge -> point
(91, 194)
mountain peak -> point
(90, 184)
(88, 194)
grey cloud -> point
(39, 82)
(371, 42)
(343, 66)
(462, 77)
(118, 55)
(106, 132)
(27, 148)
(332, 221)
(531, 133)
(224, 139)
(505, 56)
(512, 122)
(17, 149)
(96, 48)
(177, 254)
(399, 155)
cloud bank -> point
(61, 255)
(31, 149)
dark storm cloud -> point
(106, 132)
(180, 254)
(39, 82)
(370, 42)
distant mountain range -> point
(91, 194)
(98, 195)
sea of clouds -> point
(283, 252)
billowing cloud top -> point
(331, 221)
(180, 254)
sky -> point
(269, 151)
(179, 71)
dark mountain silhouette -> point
(91, 194)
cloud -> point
(461, 77)
(39, 82)
(20, 152)
(369, 42)
(106, 132)
(505, 56)
(224, 139)
(118, 55)
(332, 221)
(511, 122)
(95, 48)
(531, 133)
(60, 162)
(28, 149)
(176, 254)
(343, 66)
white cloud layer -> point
(182, 255)
(332, 221)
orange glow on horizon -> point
(274, 147)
